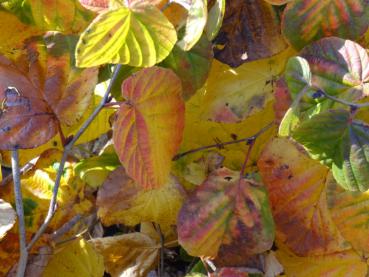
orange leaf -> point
(149, 126)
(297, 193)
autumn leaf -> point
(347, 263)
(76, 258)
(296, 186)
(342, 143)
(250, 31)
(148, 128)
(342, 18)
(138, 35)
(128, 255)
(7, 218)
(120, 200)
(213, 218)
(66, 16)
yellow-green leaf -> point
(139, 36)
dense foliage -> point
(229, 137)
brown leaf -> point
(250, 31)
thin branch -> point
(66, 227)
(248, 154)
(23, 170)
(162, 241)
(67, 149)
(222, 144)
(344, 102)
(22, 263)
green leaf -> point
(215, 19)
(191, 66)
(196, 21)
(335, 139)
(138, 36)
(297, 75)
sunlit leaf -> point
(120, 200)
(278, 2)
(215, 19)
(76, 258)
(128, 255)
(345, 264)
(250, 31)
(139, 36)
(148, 128)
(231, 95)
(7, 218)
(95, 5)
(305, 21)
(337, 140)
(196, 21)
(296, 186)
(67, 16)
(191, 66)
(226, 216)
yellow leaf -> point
(120, 200)
(77, 258)
(128, 255)
(342, 264)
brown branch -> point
(67, 149)
(221, 145)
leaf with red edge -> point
(95, 5)
(250, 31)
(226, 217)
(148, 128)
(296, 186)
(305, 21)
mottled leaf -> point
(296, 186)
(305, 21)
(7, 217)
(335, 139)
(250, 31)
(120, 200)
(128, 255)
(67, 16)
(195, 24)
(148, 128)
(76, 258)
(191, 66)
(345, 264)
(226, 216)
(215, 19)
(139, 36)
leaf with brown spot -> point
(226, 217)
(250, 31)
(296, 186)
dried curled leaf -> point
(148, 128)
(296, 186)
(128, 255)
(226, 217)
(305, 21)
(138, 35)
(250, 31)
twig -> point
(248, 154)
(344, 102)
(66, 227)
(222, 144)
(67, 149)
(23, 170)
(161, 272)
(22, 263)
